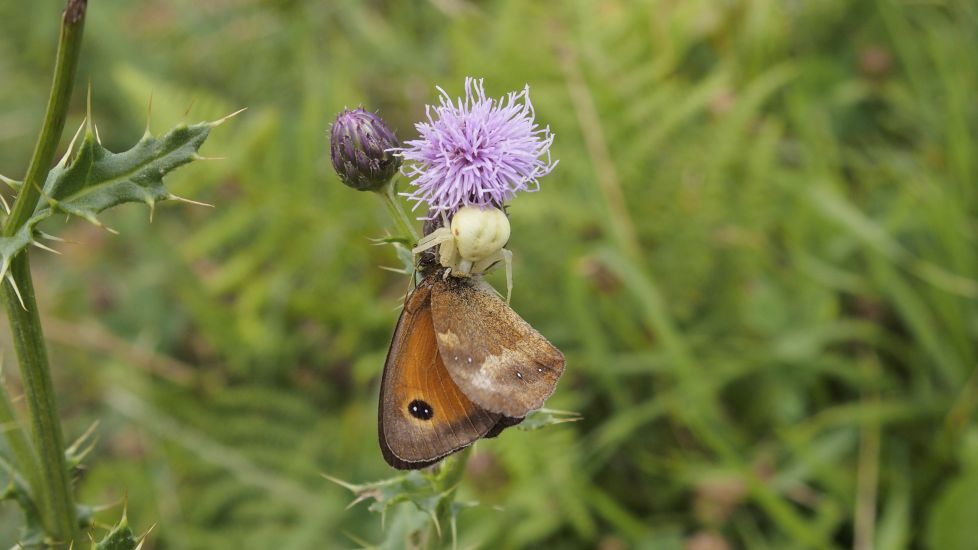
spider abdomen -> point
(479, 233)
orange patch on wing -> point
(421, 376)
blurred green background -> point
(757, 253)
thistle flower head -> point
(360, 147)
(476, 151)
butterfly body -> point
(462, 366)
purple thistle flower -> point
(479, 151)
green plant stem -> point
(53, 494)
(69, 48)
(397, 212)
(54, 497)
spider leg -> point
(448, 253)
(435, 238)
(505, 256)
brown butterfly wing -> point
(423, 415)
(495, 357)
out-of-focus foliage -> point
(757, 254)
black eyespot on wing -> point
(420, 410)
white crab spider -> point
(472, 243)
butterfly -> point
(462, 366)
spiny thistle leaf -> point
(10, 246)
(32, 531)
(11, 183)
(403, 249)
(416, 487)
(407, 258)
(76, 453)
(97, 179)
(426, 490)
(119, 538)
(545, 417)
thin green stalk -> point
(69, 48)
(397, 213)
(54, 496)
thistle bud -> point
(359, 144)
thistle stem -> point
(53, 489)
(397, 212)
(53, 495)
(69, 48)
